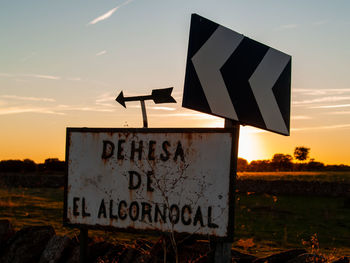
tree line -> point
(285, 162)
(279, 162)
(29, 166)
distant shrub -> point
(18, 166)
(53, 165)
(29, 166)
(242, 165)
(260, 166)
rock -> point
(96, 250)
(143, 247)
(6, 231)
(56, 249)
(74, 256)
(239, 257)
(342, 260)
(347, 203)
(112, 255)
(129, 255)
(27, 245)
(281, 257)
(307, 258)
(157, 251)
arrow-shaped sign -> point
(158, 96)
(208, 61)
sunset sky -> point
(62, 64)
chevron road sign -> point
(232, 76)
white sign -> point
(150, 179)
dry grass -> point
(323, 176)
(264, 223)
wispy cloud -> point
(74, 79)
(106, 99)
(316, 92)
(6, 75)
(339, 113)
(15, 97)
(54, 109)
(286, 27)
(300, 118)
(101, 53)
(82, 108)
(137, 106)
(108, 14)
(40, 76)
(320, 22)
(188, 115)
(331, 106)
(17, 110)
(319, 100)
(24, 59)
(25, 76)
(329, 127)
(163, 108)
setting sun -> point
(249, 145)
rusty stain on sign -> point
(150, 179)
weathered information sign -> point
(150, 179)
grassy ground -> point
(299, 176)
(264, 223)
(294, 221)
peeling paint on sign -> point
(150, 179)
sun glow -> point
(249, 145)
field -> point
(339, 177)
(263, 223)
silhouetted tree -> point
(282, 162)
(29, 166)
(17, 166)
(53, 164)
(301, 153)
(242, 165)
(12, 166)
(260, 166)
(314, 166)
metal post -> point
(83, 240)
(144, 114)
(222, 250)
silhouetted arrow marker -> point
(158, 96)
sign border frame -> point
(232, 180)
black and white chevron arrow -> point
(235, 77)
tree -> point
(260, 166)
(312, 165)
(11, 166)
(29, 165)
(301, 153)
(242, 165)
(282, 162)
(54, 164)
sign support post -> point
(83, 240)
(144, 114)
(222, 250)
